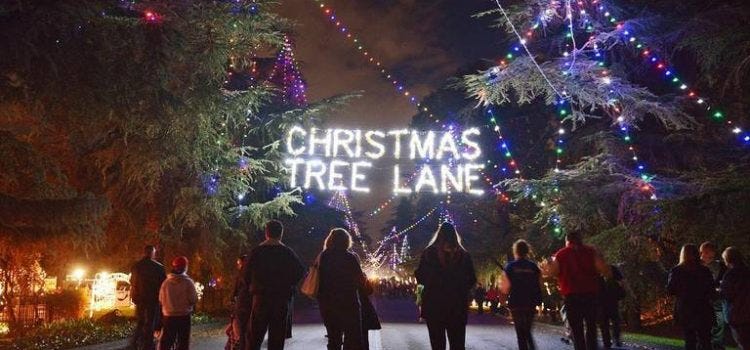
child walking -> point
(178, 298)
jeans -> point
(176, 330)
(270, 314)
(148, 317)
(456, 331)
(609, 319)
(343, 326)
(717, 331)
(523, 320)
(697, 338)
(581, 310)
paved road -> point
(400, 332)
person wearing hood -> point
(178, 297)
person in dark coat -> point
(735, 290)
(273, 272)
(693, 286)
(342, 287)
(611, 291)
(480, 294)
(522, 281)
(146, 277)
(709, 254)
(241, 306)
(447, 273)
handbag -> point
(312, 281)
(370, 319)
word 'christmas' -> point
(339, 159)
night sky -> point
(423, 41)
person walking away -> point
(447, 273)
(735, 290)
(493, 296)
(241, 308)
(576, 272)
(611, 292)
(178, 298)
(146, 277)
(480, 294)
(693, 286)
(522, 281)
(418, 293)
(342, 290)
(273, 272)
(709, 258)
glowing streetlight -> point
(78, 274)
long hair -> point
(689, 254)
(338, 239)
(446, 236)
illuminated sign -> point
(341, 159)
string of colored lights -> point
(383, 205)
(289, 76)
(331, 15)
(523, 42)
(417, 222)
(624, 129)
(340, 202)
(399, 85)
(356, 42)
(670, 75)
(334, 19)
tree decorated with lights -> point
(287, 76)
(153, 118)
(620, 107)
(405, 249)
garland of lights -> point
(286, 73)
(671, 75)
(411, 226)
(383, 205)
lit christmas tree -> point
(405, 249)
(286, 75)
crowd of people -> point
(711, 294)
(394, 287)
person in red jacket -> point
(577, 277)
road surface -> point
(401, 331)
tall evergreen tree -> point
(122, 124)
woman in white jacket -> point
(178, 298)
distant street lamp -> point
(78, 274)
